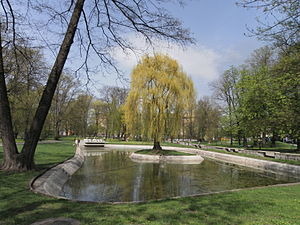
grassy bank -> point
(273, 205)
(279, 146)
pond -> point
(112, 176)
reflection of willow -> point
(166, 180)
(157, 182)
(138, 183)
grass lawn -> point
(272, 205)
(161, 152)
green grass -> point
(18, 140)
(162, 152)
(19, 206)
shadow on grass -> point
(215, 209)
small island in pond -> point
(163, 152)
(167, 156)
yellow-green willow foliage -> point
(159, 96)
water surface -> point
(113, 177)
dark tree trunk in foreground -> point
(25, 159)
(298, 144)
(8, 139)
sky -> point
(219, 29)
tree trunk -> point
(156, 145)
(57, 130)
(263, 139)
(244, 141)
(239, 140)
(273, 139)
(298, 144)
(28, 151)
(10, 151)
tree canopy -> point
(159, 96)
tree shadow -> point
(213, 209)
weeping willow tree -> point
(160, 95)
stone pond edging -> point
(269, 166)
(52, 180)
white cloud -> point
(197, 61)
(204, 64)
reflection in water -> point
(113, 177)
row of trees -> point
(262, 97)
(73, 111)
(76, 112)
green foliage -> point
(78, 114)
(262, 98)
(287, 81)
(225, 90)
(25, 72)
(208, 116)
(256, 104)
(160, 95)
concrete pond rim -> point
(51, 181)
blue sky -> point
(219, 28)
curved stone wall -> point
(51, 181)
(269, 166)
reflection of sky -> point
(114, 177)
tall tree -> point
(64, 94)
(98, 116)
(207, 116)
(258, 96)
(286, 78)
(108, 20)
(25, 76)
(78, 114)
(114, 97)
(159, 89)
(225, 90)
